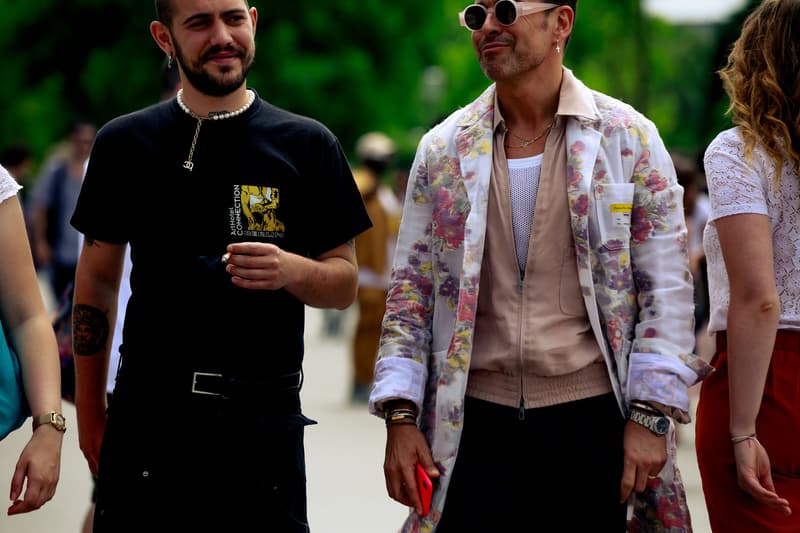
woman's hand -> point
(40, 463)
(755, 477)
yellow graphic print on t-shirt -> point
(259, 205)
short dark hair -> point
(164, 11)
(572, 4)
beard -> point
(215, 84)
(501, 69)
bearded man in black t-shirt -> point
(238, 215)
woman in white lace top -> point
(29, 330)
(748, 415)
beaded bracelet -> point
(742, 438)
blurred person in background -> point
(55, 193)
(206, 432)
(374, 250)
(748, 414)
(696, 208)
(27, 325)
(537, 343)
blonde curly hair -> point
(762, 79)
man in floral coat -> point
(536, 346)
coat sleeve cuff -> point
(656, 378)
(397, 378)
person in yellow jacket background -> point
(374, 250)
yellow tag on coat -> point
(621, 214)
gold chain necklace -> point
(189, 164)
(524, 143)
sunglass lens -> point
(474, 17)
(506, 12)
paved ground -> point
(344, 453)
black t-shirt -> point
(266, 175)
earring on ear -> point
(558, 48)
(169, 61)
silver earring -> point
(558, 48)
(169, 61)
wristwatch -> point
(658, 424)
(56, 420)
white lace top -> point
(736, 187)
(8, 186)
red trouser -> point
(730, 509)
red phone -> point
(425, 489)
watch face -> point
(662, 425)
(52, 418)
(59, 421)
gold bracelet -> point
(393, 416)
(401, 420)
(401, 410)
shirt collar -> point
(574, 100)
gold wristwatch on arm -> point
(53, 418)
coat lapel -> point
(474, 140)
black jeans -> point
(558, 470)
(208, 466)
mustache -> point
(502, 39)
(239, 51)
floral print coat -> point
(630, 240)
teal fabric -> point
(13, 405)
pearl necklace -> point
(251, 97)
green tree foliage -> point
(356, 65)
(715, 117)
(661, 69)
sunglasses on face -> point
(505, 11)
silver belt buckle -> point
(194, 383)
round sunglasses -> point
(505, 11)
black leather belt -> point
(213, 384)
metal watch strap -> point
(658, 425)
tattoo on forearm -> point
(89, 329)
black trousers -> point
(557, 470)
(208, 466)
